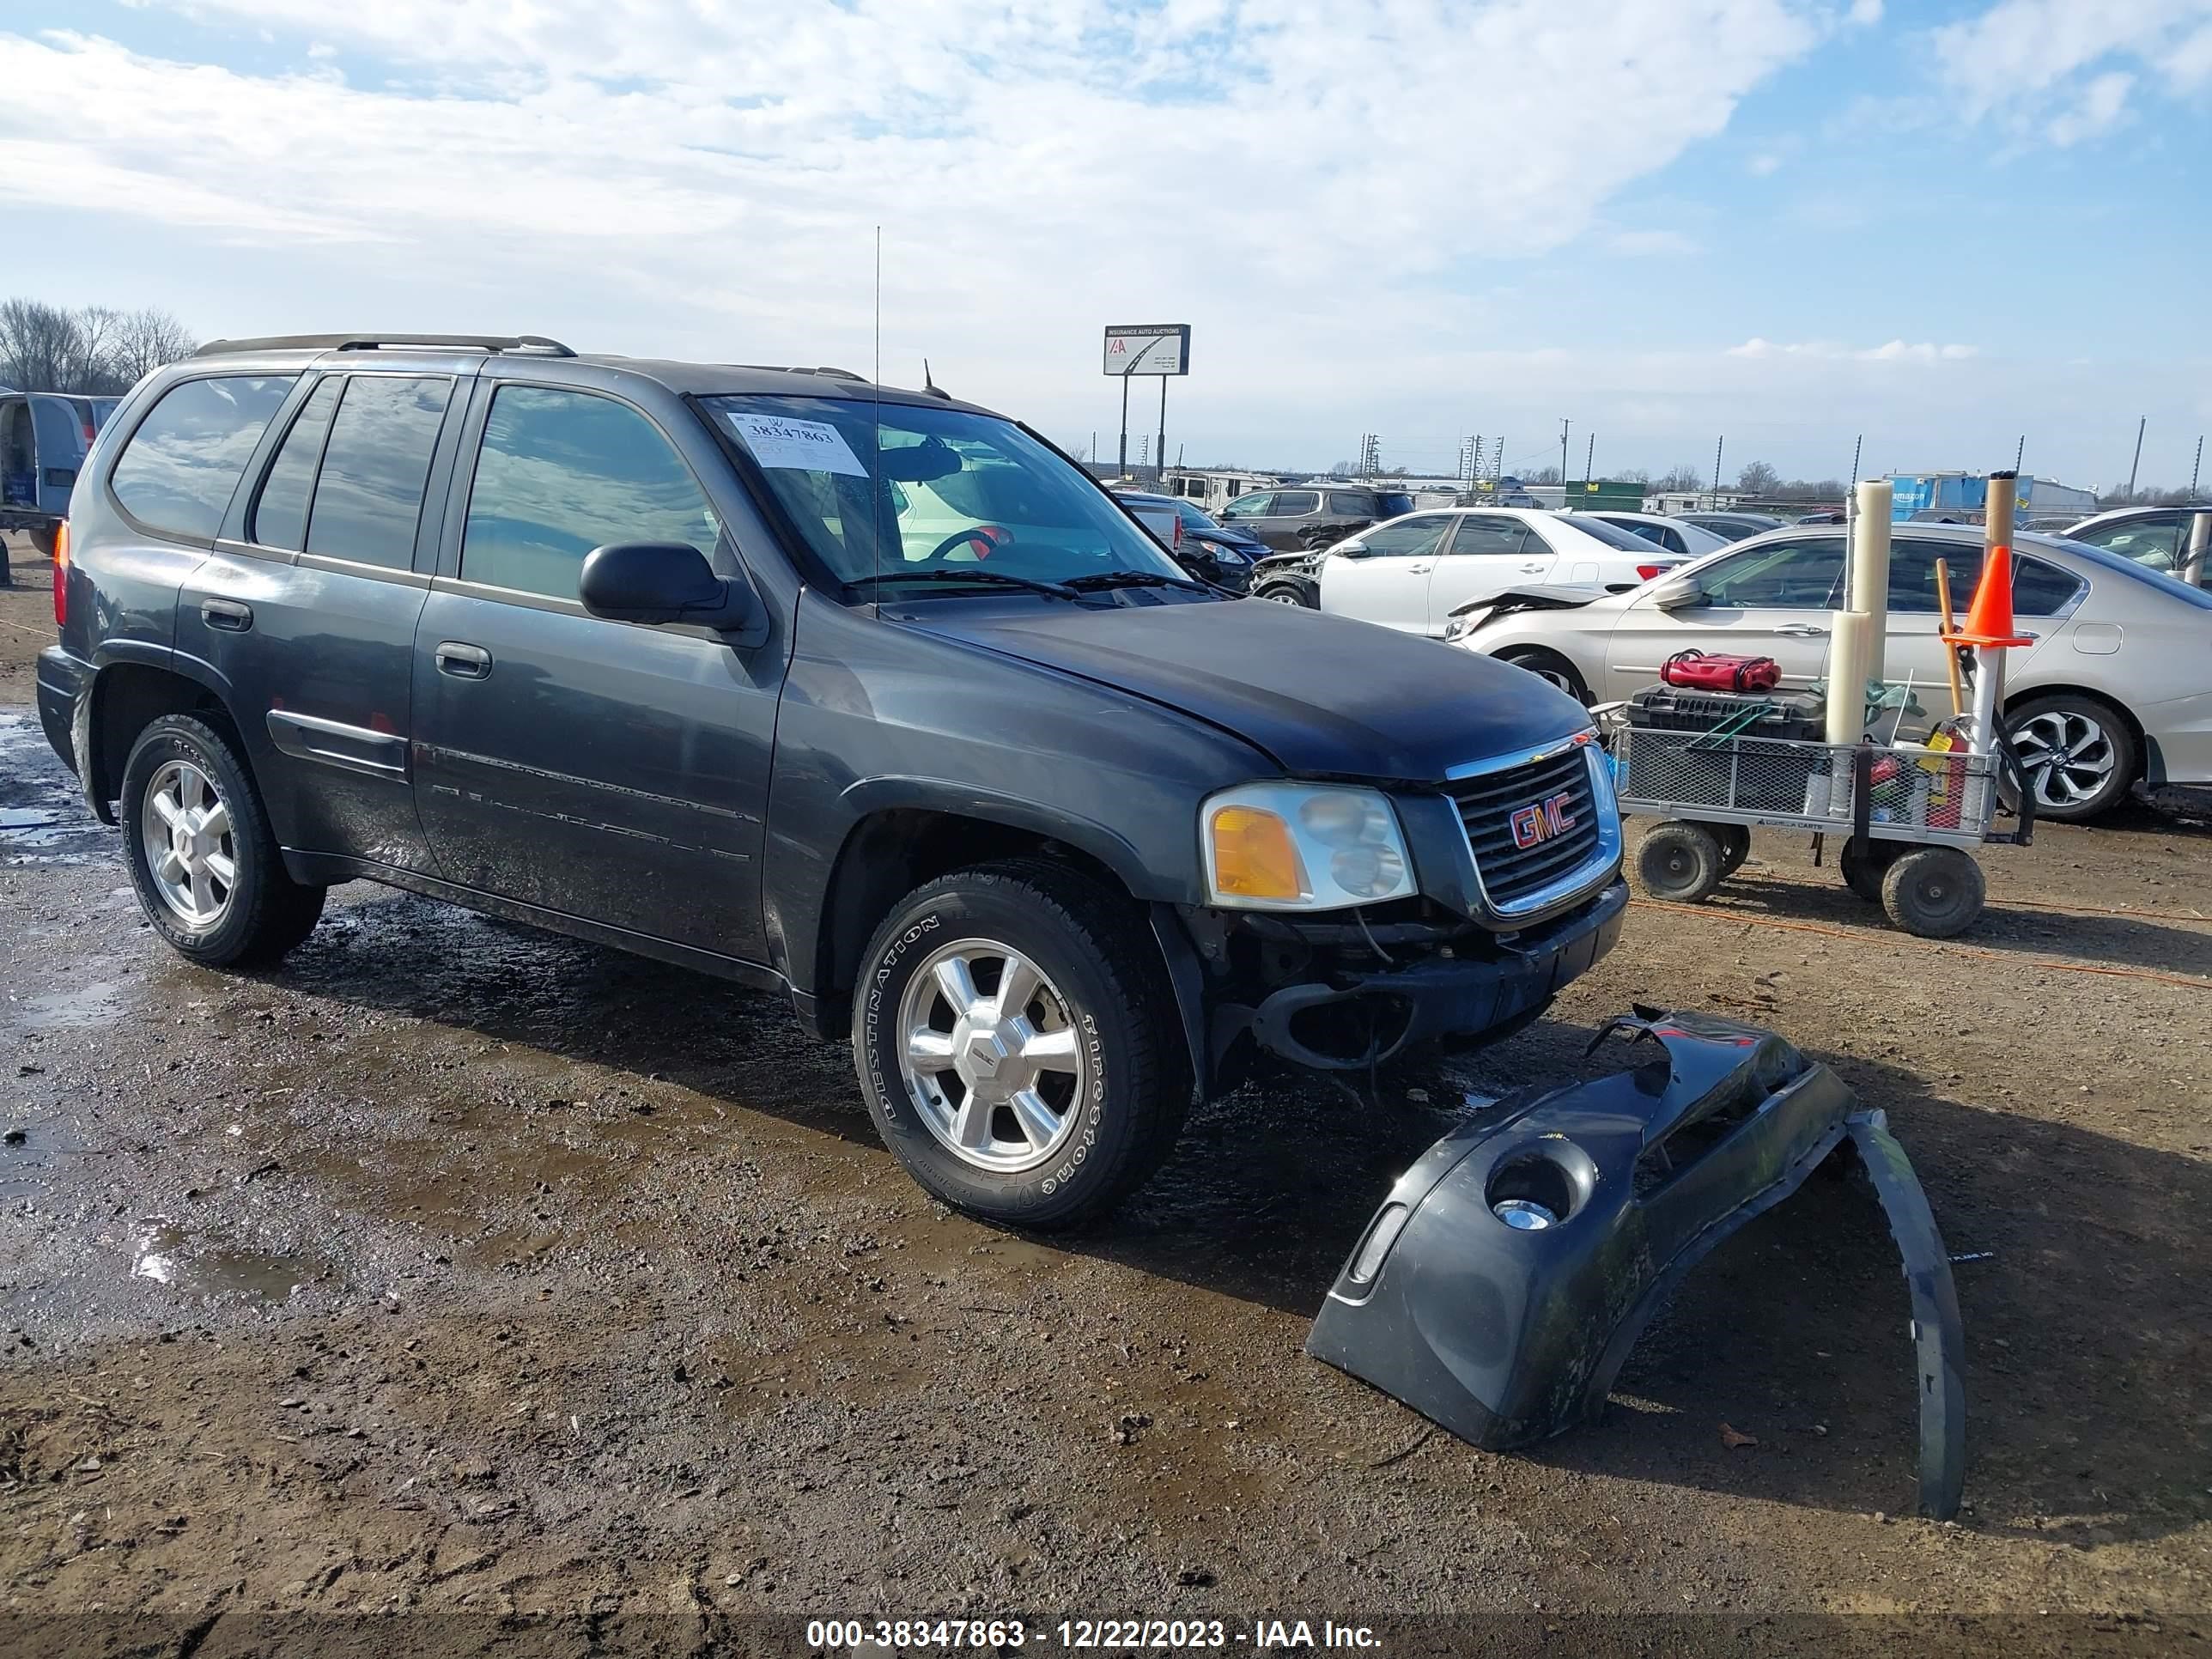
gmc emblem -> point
(1540, 821)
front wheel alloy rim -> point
(1282, 596)
(2067, 755)
(991, 1056)
(185, 833)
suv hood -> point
(1324, 695)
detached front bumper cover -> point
(1507, 1332)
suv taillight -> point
(61, 574)
(1648, 571)
(1178, 533)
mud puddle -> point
(167, 1253)
(43, 817)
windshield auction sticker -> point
(798, 446)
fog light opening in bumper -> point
(1540, 1186)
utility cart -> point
(1910, 816)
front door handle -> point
(229, 614)
(463, 661)
(1802, 631)
(1419, 569)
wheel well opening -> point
(128, 698)
(888, 856)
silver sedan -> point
(2117, 688)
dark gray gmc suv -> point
(870, 697)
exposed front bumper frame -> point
(1442, 996)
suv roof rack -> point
(528, 342)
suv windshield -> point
(881, 490)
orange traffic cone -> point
(1988, 619)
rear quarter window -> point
(2042, 590)
(178, 473)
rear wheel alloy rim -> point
(1281, 596)
(2067, 755)
(185, 833)
(991, 1056)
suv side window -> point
(369, 496)
(1250, 507)
(178, 470)
(1352, 504)
(280, 517)
(561, 473)
(1780, 576)
(1292, 502)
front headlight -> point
(1302, 847)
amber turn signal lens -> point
(1254, 856)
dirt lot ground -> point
(452, 1268)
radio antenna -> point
(877, 376)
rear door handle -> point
(463, 661)
(1419, 569)
(1534, 570)
(1802, 631)
(229, 615)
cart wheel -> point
(1864, 863)
(1680, 862)
(1933, 891)
(1735, 841)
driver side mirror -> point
(654, 582)
(1354, 549)
(1677, 593)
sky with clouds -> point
(1940, 223)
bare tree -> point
(1682, 477)
(141, 341)
(1543, 475)
(1634, 475)
(93, 348)
(1758, 478)
(41, 346)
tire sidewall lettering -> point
(888, 1091)
(886, 982)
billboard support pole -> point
(1161, 453)
(1124, 426)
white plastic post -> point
(1866, 571)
